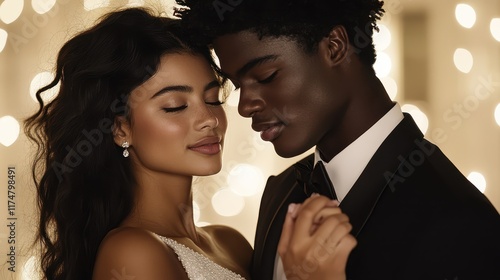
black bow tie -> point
(315, 180)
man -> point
(306, 78)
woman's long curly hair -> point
(84, 185)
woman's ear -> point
(121, 131)
(338, 45)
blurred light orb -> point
(135, 3)
(40, 80)
(419, 116)
(478, 180)
(9, 130)
(383, 38)
(245, 179)
(3, 39)
(226, 203)
(29, 271)
(465, 15)
(497, 114)
(463, 60)
(495, 28)
(10, 10)
(90, 5)
(382, 65)
(42, 6)
(390, 86)
(202, 224)
(196, 212)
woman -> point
(137, 116)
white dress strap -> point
(198, 266)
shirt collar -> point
(346, 167)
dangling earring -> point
(125, 146)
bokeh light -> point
(40, 80)
(465, 15)
(383, 38)
(90, 5)
(135, 3)
(42, 6)
(10, 10)
(9, 130)
(30, 271)
(3, 39)
(497, 114)
(390, 86)
(495, 28)
(478, 180)
(246, 179)
(383, 65)
(196, 212)
(202, 224)
(420, 117)
(463, 60)
(226, 203)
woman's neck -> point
(164, 205)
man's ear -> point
(337, 45)
(121, 131)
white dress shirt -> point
(346, 167)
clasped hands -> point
(315, 240)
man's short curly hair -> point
(305, 21)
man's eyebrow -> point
(185, 88)
(253, 63)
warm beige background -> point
(425, 35)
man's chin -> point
(285, 151)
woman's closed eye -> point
(175, 109)
(214, 103)
(180, 108)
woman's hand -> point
(315, 241)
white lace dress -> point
(198, 266)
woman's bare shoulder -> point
(133, 252)
(233, 241)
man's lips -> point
(208, 145)
(269, 131)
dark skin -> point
(326, 98)
(297, 100)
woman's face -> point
(177, 123)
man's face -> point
(292, 96)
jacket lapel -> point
(272, 215)
(363, 196)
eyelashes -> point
(180, 108)
(216, 103)
(175, 109)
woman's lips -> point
(207, 149)
(208, 145)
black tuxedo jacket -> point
(414, 215)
